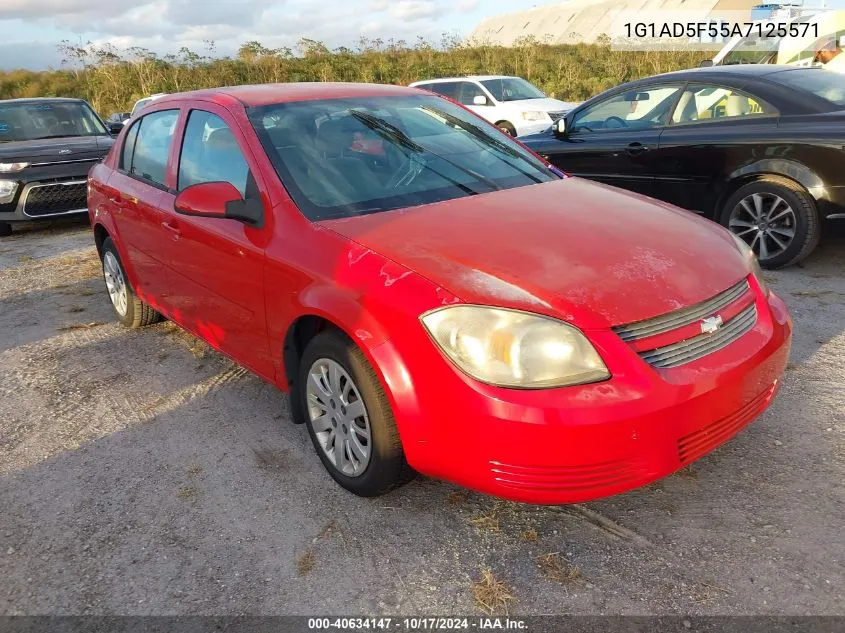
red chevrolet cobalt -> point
(434, 296)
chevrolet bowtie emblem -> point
(711, 324)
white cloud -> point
(165, 26)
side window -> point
(703, 103)
(129, 146)
(210, 153)
(152, 146)
(644, 108)
(467, 92)
(445, 88)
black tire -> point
(138, 314)
(506, 127)
(387, 468)
(807, 229)
(5, 229)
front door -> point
(217, 264)
(614, 140)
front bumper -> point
(47, 192)
(524, 128)
(581, 443)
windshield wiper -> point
(41, 138)
(489, 141)
(393, 133)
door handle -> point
(636, 148)
(172, 230)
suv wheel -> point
(349, 417)
(776, 217)
(507, 127)
(129, 309)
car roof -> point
(43, 100)
(732, 70)
(465, 77)
(268, 94)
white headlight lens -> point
(535, 116)
(7, 190)
(514, 349)
(753, 264)
(12, 168)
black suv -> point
(47, 147)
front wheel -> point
(349, 417)
(5, 229)
(776, 217)
(506, 127)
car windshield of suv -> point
(345, 157)
(828, 85)
(511, 89)
(32, 121)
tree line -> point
(112, 80)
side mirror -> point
(479, 100)
(560, 127)
(115, 127)
(219, 200)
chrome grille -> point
(557, 115)
(699, 346)
(56, 198)
(680, 318)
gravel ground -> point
(142, 473)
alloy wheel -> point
(115, 283)
(338, 417)
(766, 222)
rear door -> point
(217, 264)
(614, 140)
(714, 130)
(137, 191)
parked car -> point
(511, 103)
(449, 304)
(47, 147)
(757, 148)
(115, 121)
(140, 103)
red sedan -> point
(448, 304)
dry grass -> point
(529, 536)
(491, 595)
(194, 470)
(188, 493)
(456, 498)
(79, 326)
(487, 521)
(556, 568)
(305, 563)
(687, 472)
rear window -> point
(825, 84)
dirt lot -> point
(142, 473)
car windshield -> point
(346, 157)
(511, 89)
(31, 121)
(826, 84)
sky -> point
(31, 29)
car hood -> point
(546, 104)
(585, 252)
(56, 149)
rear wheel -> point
(349, 417)
(776, 217)
(506, 127)
(5, 229)
(129, 309)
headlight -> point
(12, 168)
(535, 116)
(753, 264)
(7, 190)
(508, 348)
